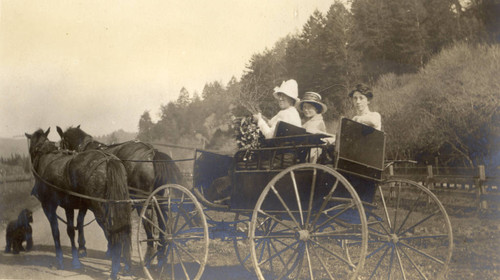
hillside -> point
(9, 147)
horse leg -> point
(50, 213)
(70, 229)
(82, 250)
(100, 222)
(148, 228)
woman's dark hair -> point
(363, 89)
(316, 106)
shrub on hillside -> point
(450, 105)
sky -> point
(102, 64)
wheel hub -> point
(303, 235)
(394, 238)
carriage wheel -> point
(410, 234)
(181, 239)
(301, 222)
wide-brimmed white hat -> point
(313, 98)
(289, 88)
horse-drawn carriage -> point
(336, 217)
(301, 209)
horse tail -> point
(118, 214)
(166, 171)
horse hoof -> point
(82, 253)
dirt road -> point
(475, 256)
(40, 263)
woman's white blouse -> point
(289, 115)
(372, 119)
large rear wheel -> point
(410, 234)
(301, 223)
(181, 235)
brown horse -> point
(147, 168)
(92, 180)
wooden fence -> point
(486, 187)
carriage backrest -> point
(360, 150)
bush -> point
(450, 106)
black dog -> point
(19, 231)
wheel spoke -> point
(397, 205)
(299, 204)
(385, 208)
(400, 264)
(154, 224)
(309, 263)
(376, 250)
(413, 207)
(424, 237)
(182, 264)
(269, 253)
(189, 254)
(275, 250)
(160, 213)
(311, 197)
(285, 206)
(333, 217)
(276, 220)
(422, 253)
(420, 222)
(413, 263)
(322, 262)
(285, 268)
(325, 202)
(391, 261)
(333, 253)
(172, 263)
(378, 263)
(278, 254)
(178, 216)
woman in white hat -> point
(287, 96)
(312, 108)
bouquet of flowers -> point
(248, 135)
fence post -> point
(481, 188)
(391, 174)
(430, 178)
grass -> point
(15, 196)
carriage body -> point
(358, 154)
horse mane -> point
(80, 139)
(76, 134)
(44, 147)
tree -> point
(451, 105)
(183, 100)
(212, 89)
(145, 127)
(264, 72)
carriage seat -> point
(287, 134)
(291, 145)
